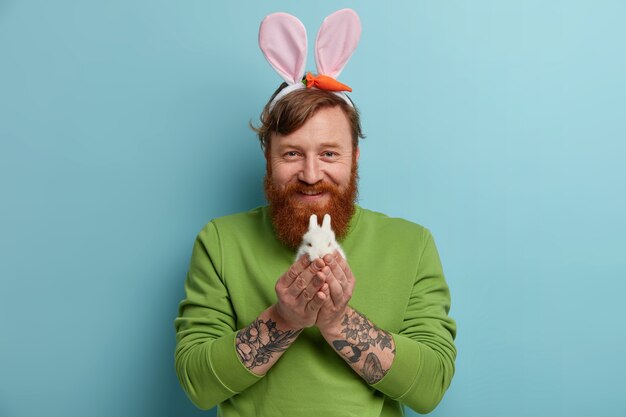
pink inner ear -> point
(282, 38)
(336, 40)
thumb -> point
(319, 299)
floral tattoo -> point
(258, 342)
(360, 336)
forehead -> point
(327, 127)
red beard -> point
(290, 218)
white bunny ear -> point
(326, 222)
(336, 41)
(313, 222)
(282, 38)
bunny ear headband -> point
(282, 38)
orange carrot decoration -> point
(324, 82)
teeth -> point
(310, 192)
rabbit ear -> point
(326, 222)
(336, 41)
(313, 222)
(282, 38)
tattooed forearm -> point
(349, 351)
(257, 343)
(372, 370)
(360, 336)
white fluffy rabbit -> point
(319, 241)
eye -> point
(309, 245)
(329, 154)
(291, 154)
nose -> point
(310, 172)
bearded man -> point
(261, 335)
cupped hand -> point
(301, 292)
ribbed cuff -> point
(227, 367)
(404, 369)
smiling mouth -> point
(311, 195)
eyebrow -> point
(333, 145)
(330, 145)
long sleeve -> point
(425, 353)
(206, 360)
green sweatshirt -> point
(400, 287)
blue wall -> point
(501, 126)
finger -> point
(314, 286)
(325, 290)
(343, 264)
(294, 271)
(336, 269)
(335, 290)
(302, 281)
(318, 300)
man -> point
(261, 335)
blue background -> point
(499, 125)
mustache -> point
(319, 187)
